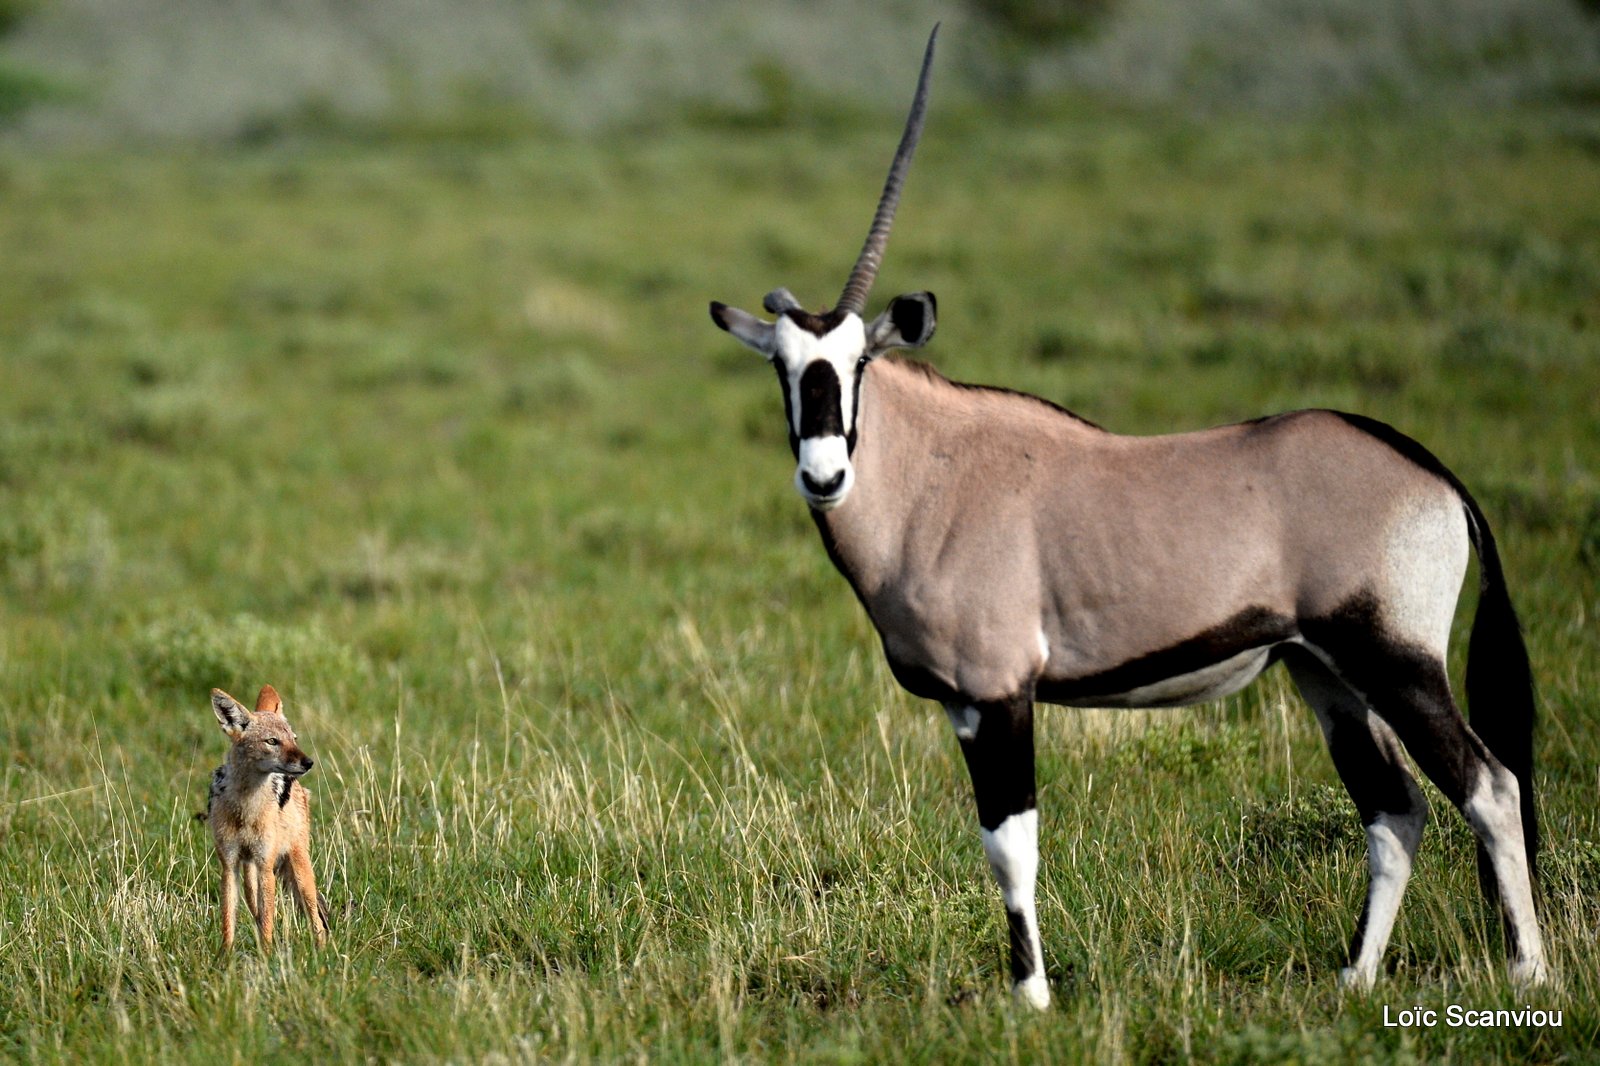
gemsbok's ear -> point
(745, 326)
(908, 322)
(231, 716)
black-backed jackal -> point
(260, 816)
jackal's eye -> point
(274, 741)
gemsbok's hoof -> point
(1530, 973)
(1354, 979)
(1032, 992)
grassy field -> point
(436, 436)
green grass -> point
(438, 439)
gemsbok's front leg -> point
(997, 742)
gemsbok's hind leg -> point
(1368, 757)
(1409, 689)
(1488, 796)
(997, 743)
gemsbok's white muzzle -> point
(825, 475)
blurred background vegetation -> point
(221, 70)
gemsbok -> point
(1010, 552)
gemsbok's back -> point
(1008, 551)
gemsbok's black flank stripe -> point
(1253, 627)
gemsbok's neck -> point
(927, 451)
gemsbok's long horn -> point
(862, 275)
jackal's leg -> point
(997, 742)
(230, 899)
(1368, 757)
(269, 903)
(252, 890)
(303, 883)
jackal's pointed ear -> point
(231, 715)
(747, 327)
(268, 702)
(908, 322)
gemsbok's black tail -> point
(1500, 698)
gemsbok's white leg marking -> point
(1013, 853)
(1493, 811)
(1391, 845)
